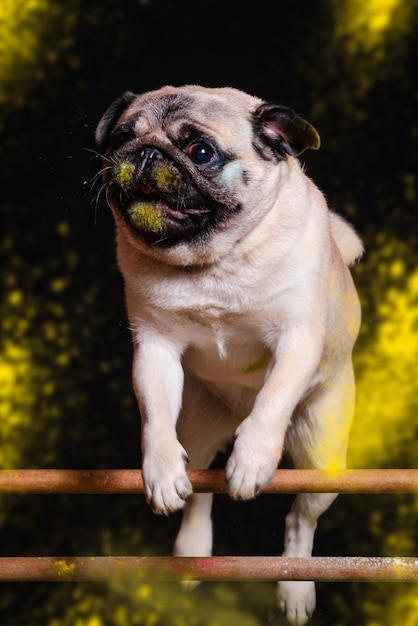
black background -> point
(67, 400)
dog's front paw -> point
(297, 600)
(166, 484)
(252, 463)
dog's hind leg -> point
(204, 426)
(317, 439)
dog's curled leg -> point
(259, 439)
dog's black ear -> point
(284, 130)
(110, 117)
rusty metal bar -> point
(322, 569)
(204, 481)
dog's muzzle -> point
(157, 199)
(147, 156)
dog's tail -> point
(348, 242)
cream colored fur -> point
(248, 337)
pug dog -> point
(242, 308)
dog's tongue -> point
(145, 189)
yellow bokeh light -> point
(16, 399)
(386, 385)
(378, 13)
(20, 38)
(36, 39)
(364, 24)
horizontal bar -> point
(204, 481)
(322, 569)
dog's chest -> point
(225, 349)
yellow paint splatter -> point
(145, 217)
(257, 365)
(64, 569)
(398, 567)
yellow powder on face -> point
(124, 174)
(165, 177)
(145, 217)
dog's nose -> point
(146, 156)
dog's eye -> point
(121, 135)
(200, 152)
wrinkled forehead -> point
(214, 111)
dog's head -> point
(188, 167)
